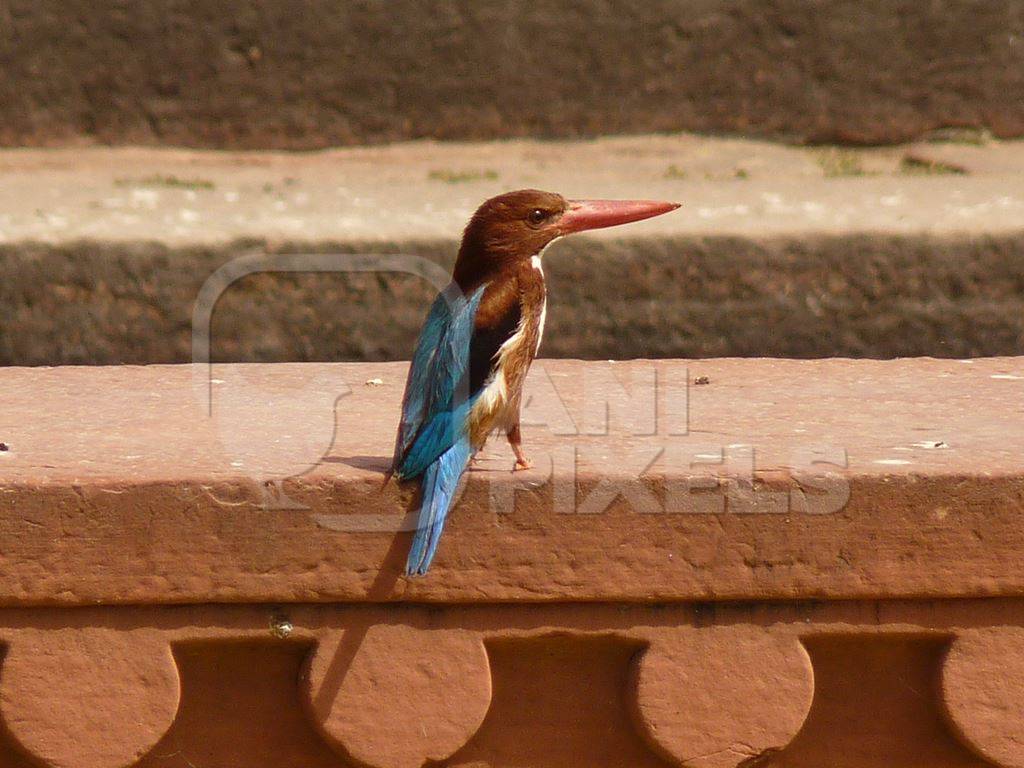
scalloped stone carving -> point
(718, 696)
(88, 698)
(983, 690)
(393, 696)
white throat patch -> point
(535, 261)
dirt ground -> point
(427, 190)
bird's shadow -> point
(379, 464)
(382, 589)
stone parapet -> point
(712, 563)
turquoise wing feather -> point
(433, 441)
(440, 482)
(437, 397)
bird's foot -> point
(521, 461)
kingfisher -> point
(478, 342)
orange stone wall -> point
(166, 600)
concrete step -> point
(266, 74)
(912, 250)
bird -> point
(480, 336)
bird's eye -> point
(536, 216)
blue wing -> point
(432, 440)
(440, 481)
(436, 400)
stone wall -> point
(813, 296)
(807, 564)
(273, 73)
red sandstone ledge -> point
(773, 480)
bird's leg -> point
(515, 439)
(474, 460)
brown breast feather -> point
(511, 307)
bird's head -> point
(519, 225)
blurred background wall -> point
(302, 74)
(850, 171)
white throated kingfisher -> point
(478, 341)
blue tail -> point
(440, 480)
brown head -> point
(519, 225)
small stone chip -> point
(4, 447)
(280, 627)
(701, 381)
(374, 382)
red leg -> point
(515, 439)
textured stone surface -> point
(372, 691)
(844, 479)
(262, 73)
(762, 683)
(729, 600)
(857, 296)
(983, 686)
(88, 697)
(564, 681)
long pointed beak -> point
(595, 214)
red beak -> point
(595, 214)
